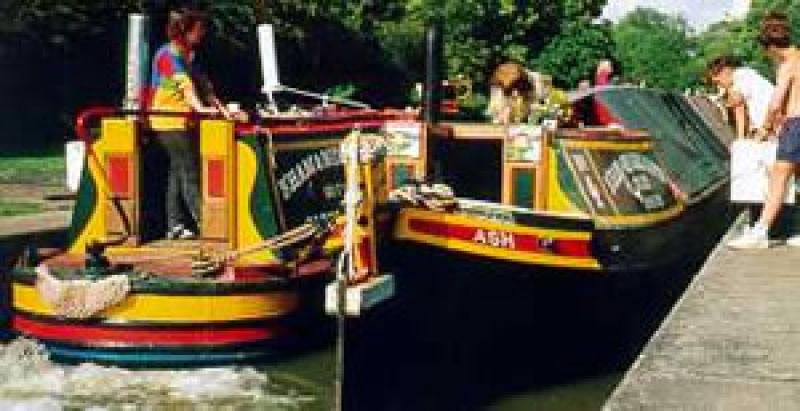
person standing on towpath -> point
(784, 112)
(748, 94)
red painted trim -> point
(309, 128)
(82, 122)
(328, 121)
(365, 254)
(118, 336)
(119, 174)
(315, 268)
(521, 242)
(603, 114)
(215, 178)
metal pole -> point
(351, 200)
(433, 74)
(323, 97)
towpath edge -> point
(731, 343)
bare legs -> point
(779, 175)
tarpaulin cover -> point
(686, 141)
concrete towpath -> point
(731, 343)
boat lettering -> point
(499, 216)
(494, 238)
(302, 171)
(635, 172)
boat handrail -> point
(302, 124)
(83, 118)
(604, 133)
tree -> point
(739, 37)
(655, 48)
(58, 58)
(574, 53)
(480, 34)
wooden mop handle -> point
(298, 233)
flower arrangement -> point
(554, 107)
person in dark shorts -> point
(789, 141)
(784, 112)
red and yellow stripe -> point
(133, 336)
(180, 309)
(509, 242)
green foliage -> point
(661, 50)
(573, 55)
(347, 90)
(655, 47)
(59, 57)
(61, 24)
(738, 38)
(480, 34)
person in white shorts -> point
(748, 94)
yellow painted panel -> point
(216, 137)
(246, 232)
(557, 200)
(217, 143)
(177, 308)
(118, 135)
(641, 219)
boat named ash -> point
(622, 197)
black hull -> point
(486, 328)
(667, 243)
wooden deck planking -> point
(731, 343)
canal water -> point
(467, 338)
(503, 345)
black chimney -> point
(432, 102)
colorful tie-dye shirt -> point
(170, 77)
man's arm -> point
(778, 100)
(193, 100)
(737, 103)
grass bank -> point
(46, 169)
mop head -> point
(80, 298)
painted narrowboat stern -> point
(251, 285)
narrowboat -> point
(620, 197)
(250, 286)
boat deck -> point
(731, 343)
(164, 257)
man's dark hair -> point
(776, 31)
(182, 21)
(722, 62)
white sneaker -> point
(750, 239)
(186, 234)
(793, 241)
(179, 232)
